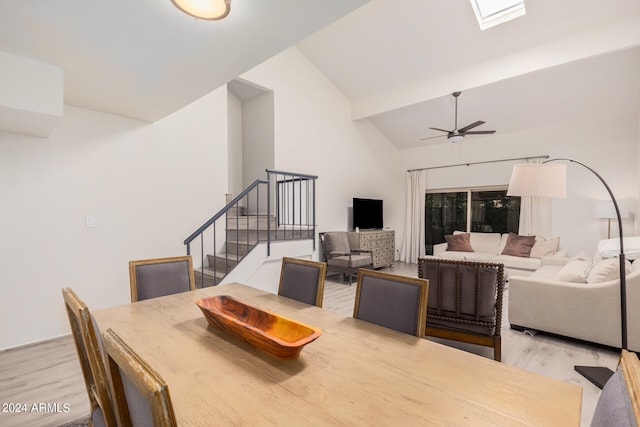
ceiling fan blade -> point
(441, 130)
(432, 137)
(456, 134)
(480, 132)
(471, 126)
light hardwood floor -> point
(49, 372)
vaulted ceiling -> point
(146, 59)
(399, 62)
(396, 61)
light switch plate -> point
(90, 221)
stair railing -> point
(248, 219)
(295, 199)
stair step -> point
(206, 277)
(223, 262)
(237, 211)
(240, 247)
(250, 222)
(276, 234)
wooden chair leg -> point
(497, 349)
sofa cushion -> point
(545, 246)
(546, 272)
(356, 261)
(518, 263)
(574, 271)
(484, 242)
(337, 242)
(459, 242)
(468, 256)
(607, 269)
(519, 245)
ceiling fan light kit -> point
(210, 10)
(458, 134)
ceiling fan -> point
(456, 134)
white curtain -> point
(535, 213)
(413, 240)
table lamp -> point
(550, 180)
(604, 209)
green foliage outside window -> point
(489, 211)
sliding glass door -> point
(445, 213)
(478, 210)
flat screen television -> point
(367, 213)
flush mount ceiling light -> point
(211, 10)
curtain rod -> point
(545, 156)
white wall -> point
(234, 111)
(608, 145)
(636, 207)
(31, 95)
(257, 129)
(314, 134)
(148, 186)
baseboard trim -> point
(29, 344)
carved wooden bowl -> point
(270, 332)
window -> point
(490, 13)
(479, 210)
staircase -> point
(277, 209)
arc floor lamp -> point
(550, 180)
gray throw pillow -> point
(459, 242)
(519, 245)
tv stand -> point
(381, 242)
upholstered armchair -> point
(465, 300)
(340, 257)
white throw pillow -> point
(544, 246)
(574, 271)
(503, 242)
(607, 269)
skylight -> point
(490, 13)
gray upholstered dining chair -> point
(465, 301)
(151, 278)
(302, 280)
(141, 396)
(90, 352)
(393, 301)
(340, 257)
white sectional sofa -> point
(489, 247)
(580, 300)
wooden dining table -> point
(355, 373)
